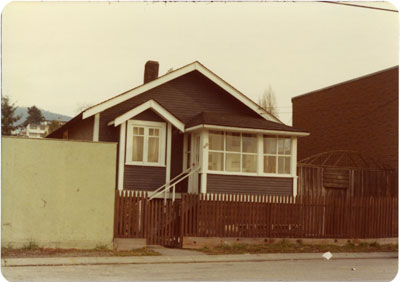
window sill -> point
(144, 164)
(250, 174)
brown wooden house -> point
(191, 131)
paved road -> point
(299, 270)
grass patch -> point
(137, 252)
(30, 246)
(99, 251)
(299, 247)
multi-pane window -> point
(144, 144)
(232, 152)
(277, 154)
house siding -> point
(145, 178)
(217, 183)
(82, 130)
(184, 97)
(360, 115)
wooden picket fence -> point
(135, 216)
(227, 215)
(221, 215)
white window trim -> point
(162, 145)
(277, 155)
(241, 153)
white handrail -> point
(174, 184)
(172, 180)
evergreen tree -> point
(7, 116)
(34, 116)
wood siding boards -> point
(177, 159)
(361, 115)
(82, 130)
(149, 115)
(217, 183)
(146, 178)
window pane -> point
(156, 132)
(249, 143)
(269, 164)
(141, 130)
(216, 140)
(287, 146)
(232, 162)
(287, 165)
(249, 163)
(233, 142)
(283, 164)
(281, 145)
(215, 161)
(137, 149)
(151, 131)
(152, 150)
(269, 145)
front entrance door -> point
(194, 161)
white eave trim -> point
(150, 104)
(249, 130)
(175, 74)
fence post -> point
(184, 197)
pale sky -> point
(62, 55)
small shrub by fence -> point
(227, 215)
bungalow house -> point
(191, 129)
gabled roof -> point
(175, 74)
(239, 121)
(150, 104)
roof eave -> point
(249, 130)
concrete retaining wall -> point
(57, 194)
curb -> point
(63, 261)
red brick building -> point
(360, 114)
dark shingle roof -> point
(240, 121)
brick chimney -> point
(150, 71)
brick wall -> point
(361, 115)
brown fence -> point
(226, 215)
(222, 215)
(137, 217)
(317, 180)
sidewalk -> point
(189, 258)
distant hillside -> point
(23, 111)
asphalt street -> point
(384, 269)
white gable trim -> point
(175, 74)
(150, 104)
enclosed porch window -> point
(249, 153)
(232, 151)
(277, 154)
